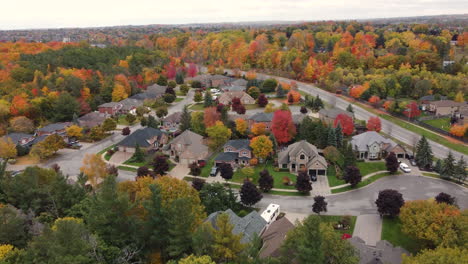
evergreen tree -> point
(179, 78)
(162, 80)
(185, 119)
(349, 155)
(318, 104)
(350, 108)
(423, 153)
(152, 122)
(331, 137)
(322, 135)
(307, 130)
(208, 99)
(438, 166)
(138, 156)
(280, 93)
(448, 166)
(266, 181)
(339, 136)
(460, 170)
(180, 229)
(156, 226)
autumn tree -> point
(261, 146)
(74, 131)
(249, 194)
(7, 151)
(389, 202)
(218, 135)
(445, 198)
(118, 93)
(283, 127)
(241, 126)
(226, 245)
(226, 171)
(391, 162)
(412, 110)
(109, 124)
(94, 168)
(185, 119)
(437, 255)
(374, 124)
(197, 124)
(266, 181)
(258, 129)
(48, 147)
(160, 165)
(22, 124)
(303, 184)
(346, 123)
(293, 97)
(211, 116)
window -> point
(244, 153)
(302, 156)
(228, 149)
(285, 166)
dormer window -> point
(228, 149)
(302, 156)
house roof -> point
(236, 94)
(54, 127)
(238, 143)
(229, 156)
(234, 88)
(16, 137)
(174, 117)
(140, 137)
(333, 112)
(239, 82)
(156, 89)
(248, 225)
(187, 138)
(383, 252)
(110, 104)
(274, 236)
(431, 97)
(446, 103)
(362, 141)
(91, 119)
(129, 103)
(261, 117)
(294, 149)
(194, 145)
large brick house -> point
(236, 152)
(111, 108)
(371, 145)
(227, 97)
(302, 156)
(188, 147)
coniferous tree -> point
(185, 119)
(318, 104)
(350, 108)
(138, 156)
(423, 153)
(156, 225)
(179, 78)
(460, 170)
(349, 155)
(180, 229)
(438, 166)
(208, 99)
(280, 93)
(339, 136)
(249, 194)
(266, 181)
(331, 137)
(448, 166)
(307, 130)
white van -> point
(271, 213)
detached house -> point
(235, 152)
(226, 97)
(446, 107)
(147, 138)
(111, 108)
(329, 115)
(172, 122)
(264, 118)
(188, 147)
(20, 139)
(302, 156)
(55, 128)
(371, 145)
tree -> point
(74, 131)
(184, 88)
(303, 110)
(156, 226)
(109, 124)
(7, 151)
(169, 98)
(162, 80)
(391, 162)
(196, 124)
(179, 78)
(445, 198)
(460, 170)
(195, 169)
(192, 70)
(350, 108)
(283, 127)
(266, 181)
(241, 110)
(65, 107)
(138, 155)
(226, 171)
(192, 259)
(215, 197)
(331, 137)
(258, 129)
(218, 134)
(48, 147)
(374, 124)
(352, 175)
(261, 146)
(198, 97)
(412, 110)
(181, 227)
(438, 255)
(434, 224)
(241, 126)
(459, 97)
(268, 86)
(14, 229)
(118, 93)
(389, 202)
(185, 119)
(423, 155)
(126, 131)
(317, 104)
(254, 92)
(280, 92)
(152, 122)
(249, 194)
(130, 118)
(198, 184)
(94, 168)
(349, 155)
(448, 166)
(160, 165)
(319, 204)
(211, 116)
(303, 184)
(226, 245)
(346, 123)
(161, 111)
(208, 99)
(22, 124)
(339, 136)
(336, 249)
(293, 97)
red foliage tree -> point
(282, 126)
(211, 116)
(374, 100)
(19, 106)
(235, 103)
(171, 71)
(192, 70)
(84, 107)
(262, 100)
(412, 110)
(241, 109)
(346, 122)
(374, 124)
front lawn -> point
(251, 106)
(363, 183)
(125, 168)
(391, 231)
(178, 99)
(277, 176)
(335, 219)
(331, 175)
(371, 167)
(197, 107)
(205, 171)
(442, 123)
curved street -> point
(362, 201)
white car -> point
(405, 167)
(213, 91)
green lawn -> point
(331, 175)
(442, 123)
(106, 149)
(363, 183)
(391, 231)
(251, 106)
(107, 156)
(337, 218)
(134, 163)
(122, 121)
(277, 176)
(178, 99)
(419, 130)
(197, 107)
(371, 167)
(205, 171)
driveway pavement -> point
(120, 157)
(368, 227)
(179, 171)
(320, 187)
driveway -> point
(368, 227)
(179, 171)
(320, 187)
(120, 157)
(362, 201)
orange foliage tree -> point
(374, 124)
(293, 97)
(458, 130)
(357, 90)
(210, 116)
(258, 129)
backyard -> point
(391, 231)
(442, 123)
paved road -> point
(361, 201)
(388, 127)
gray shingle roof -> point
(140, 137)
(261, 117)
(274, 236)
(129, 103)
(91, 119)
(174, 117)
(431, 98)
(110, 104)
(187, 138)
(294, 149)
(383, 252)
(238, 143)
(16, 137)
(362, 141)
(229, 156)
(248, 225)
(54, 127)
(333, 113)
(239, 82)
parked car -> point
(413, 162)
(405, 167)
(74, 145)
(213, 91)
(214, 171)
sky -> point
(27, 14)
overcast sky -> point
(20, 14)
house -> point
(426, 100)
(261, 117)
(240, 82)
(383, 252)
(233, 88)
(226, 98)
(274, 237)
(55, 128)
(188, 147)
(147, 138)
(92, 119)
(129, 105)
(371, 145)
(249, 225)
(20, 139)
(235, 152)
(172, 122)
(446, 107)
(111, 108)
(329, 115)
(218, 80)
(155, 91)
(302, 156)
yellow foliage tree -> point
(261, 146)
(66, 219)
(7, 149)
(241, 126)
(258, 129)
(438, 255)
(94, 168)
(459, 97)
(118, 93)
(74, 131)
(192, 259)
(5, 249)
(226, 245)
(22, 124)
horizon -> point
(53, 14)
